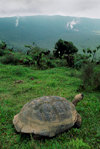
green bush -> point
(45, 63)
(2, 52)
(78, 64)
(9, 59)
(97, 80)
(59, 62)
(3, 45)
(80, 60)
(50, 64)
(92, 54)
(90, 77)
(26, 60)
(40, 57)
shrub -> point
(92, 54)
(90, 77)
(2, 52)
(27, 60)
(9, 59)
(3, 45)
(40, 57)
(80, 60)
(97, 80)
(43, 62)
(50, 64)
(78, 64)
(59, 62)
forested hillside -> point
(46, 30)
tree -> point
(65, 49)
(38, 55)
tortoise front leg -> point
(79, 121)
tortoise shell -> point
(46, 116)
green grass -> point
(35, 83)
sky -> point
(77, 8)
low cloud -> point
(17, 22)
(79, 8)
(71, 25)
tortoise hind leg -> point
(78, 122)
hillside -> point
(46, 30)
(62, 82)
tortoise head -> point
(77, 98)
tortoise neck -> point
(75, 101)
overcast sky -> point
(78, 8)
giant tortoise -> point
(48, 116)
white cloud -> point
(71, 25)
(79, 8)
(17, 22)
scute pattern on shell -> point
(47, 116)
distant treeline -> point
(65, 54)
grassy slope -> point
(58, 81)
